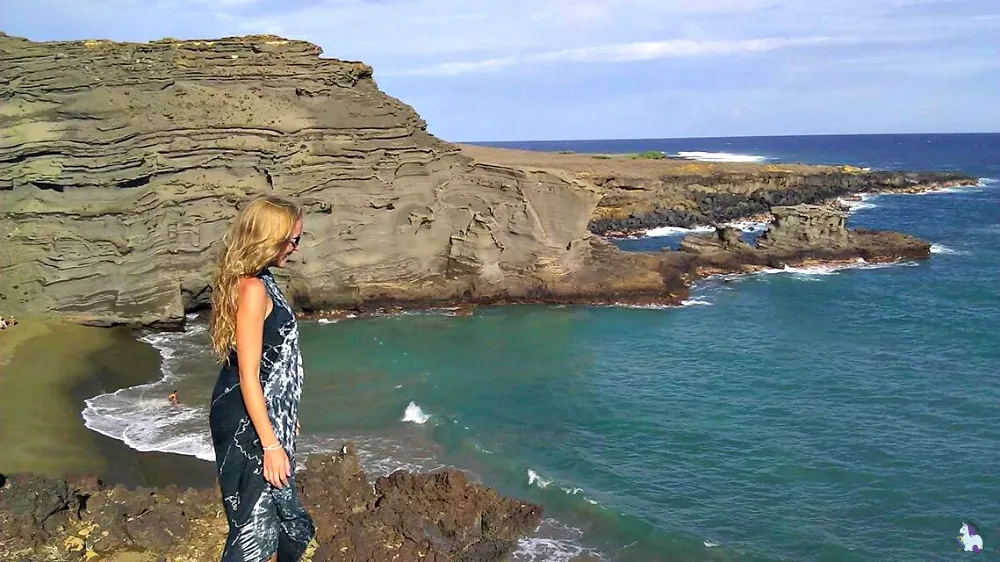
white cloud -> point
(626, 52)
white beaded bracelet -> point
(274, 447)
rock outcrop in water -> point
(438, 516)
(121, 164)
(799, 234)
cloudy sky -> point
(581, 69)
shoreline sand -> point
(47, 369)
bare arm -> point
(250, 316)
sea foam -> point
(720, 156)
(143, 418)
(554, 542)
(942, 249)
(414, 414)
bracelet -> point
(274, 447)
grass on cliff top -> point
(649, 155)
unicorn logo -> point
(969, 538)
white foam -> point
(534, 479)
(710, 544)
(538, 549)
(942, 249)
(143, 418)
(982, 183)
(675, 230)
(834, 269)
(742, 225)
(696, 301)
(554, 542)
(813, 273)
(720, 156)
(862, 202)
(749, 226)
(414, 414)
(813, 270)
(328, 321)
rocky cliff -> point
(433, 517)
(121, 165)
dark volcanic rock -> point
(439, 516)
(725, 197)
(408, 516)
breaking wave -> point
(719, 156)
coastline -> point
(48, 371)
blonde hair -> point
(253, 242)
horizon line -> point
(724, 137)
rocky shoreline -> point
(403, 516)
(710, 202)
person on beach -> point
(255, 404)
(172, 398)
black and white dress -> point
(263, 520)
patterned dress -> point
(263, 520)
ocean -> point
(801, 414)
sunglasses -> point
(295, 241)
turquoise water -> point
(803, 415)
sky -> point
(495, 70)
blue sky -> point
(481, 70)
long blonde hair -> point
(253, 242)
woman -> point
(255, 404)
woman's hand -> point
(298, 428)
(277, 469)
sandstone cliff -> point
(434, 517)
(121, 165)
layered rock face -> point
(405, 516)
(121, 166)
(798, 234)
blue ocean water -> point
(799, 415)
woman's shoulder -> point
(252, 288)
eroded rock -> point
(799, 234)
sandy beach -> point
(47, 369)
